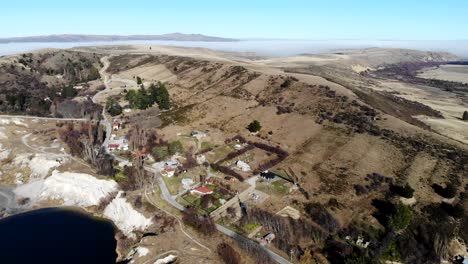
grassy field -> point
(173, 184)
(278, 187)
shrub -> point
(457, 211)
(139, 80)
(286, 83)
(113, 107)
(207, 201)
(465, 116)
(69, 91)
(160, 152)
(321, 216)
(204, 225)
(400, 218)
(228, 254)
(254, 126)
(448, 192)
(190, 161)
(175, 147)
(404, 191)
(360, 190)
(392, 216)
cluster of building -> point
(118, 143)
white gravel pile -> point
(125, 217)
(76, 188)
(4, 153)
(142, 251)
(2, 133)
(166, 260)
(40, 166)
(16, 121)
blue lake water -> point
(55, 235)
(263, 47)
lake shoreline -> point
(65, 227)
(90, 213)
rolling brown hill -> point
(337, 130)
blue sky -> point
(301, 19)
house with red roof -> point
(113, 146)
(202, 190)
(168, 171)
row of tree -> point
(85, 142)
(144, 98)
(289, 232)
(113, 107)
(203, 224)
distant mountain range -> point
(91, 38)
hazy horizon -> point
(230, 37)
(273, 48)
(301, 19)
(270, 28)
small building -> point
(202, 190)
(266, 239)
(113, 147)
(242, 166)
(117, 124)
(121, 143)
(168, 172)
(269, 237)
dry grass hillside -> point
(344, 139)
(336, 125)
